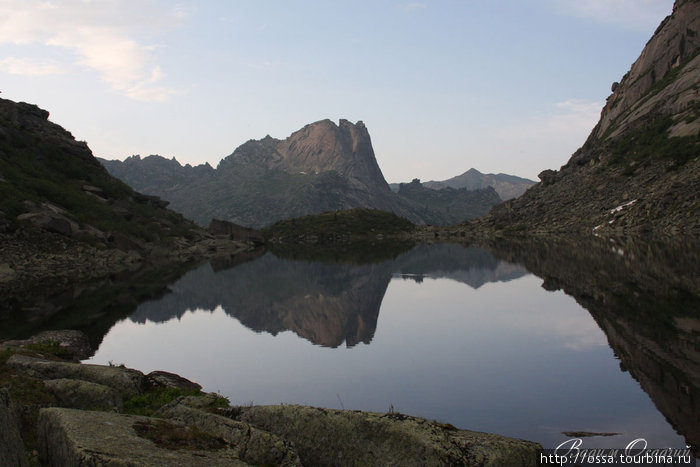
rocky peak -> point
(663, 80)
(324, 146)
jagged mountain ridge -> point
(507, 186)
(321, 167)
(639, 170)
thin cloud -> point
(29, 67)
(412, 6)
(99, 37)
(631, 14)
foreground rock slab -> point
(77, 437)
(127, 381)
(251, 444)
(11, 448)
(343, 437)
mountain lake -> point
(442, 331)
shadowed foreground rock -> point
(128, 382)
(344, 437)
(77, 437)
(11, 452)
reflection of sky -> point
(509, 358)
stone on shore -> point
(84, 395)
(71, 343)
(79, 437)
(344, 437)
(252, 444)
(127, 381)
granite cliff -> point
(321, 167)
(639, 170)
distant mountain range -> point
(507, 186)
(322, 167)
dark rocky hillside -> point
(322, 167)
(639, 170)
(63, 216)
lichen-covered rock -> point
(171, 380)
(84, 395)
(342, 437)
(125, 380)
(251, 444)
(78, 437)
(11, 446)
(74, 343)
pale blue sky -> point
(508, 86)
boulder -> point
(171, 380)
(75, 344)
(343, 437)
(11, 446)
(84, 395)
(78, 437)
(50, 222)
(125, 380)
(251, 444)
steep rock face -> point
(322, 167)
(672, 50)
(323, 146)
(639, 170)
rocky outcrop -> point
(125, 381)
(639, 170)
(663, 80)
(71, 343)
(77, 437)
(343, 437)
(251, 444)
(169, 421)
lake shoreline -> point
(163, 417)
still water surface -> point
(442, 332)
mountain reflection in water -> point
(326, 303)
(505, 354)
